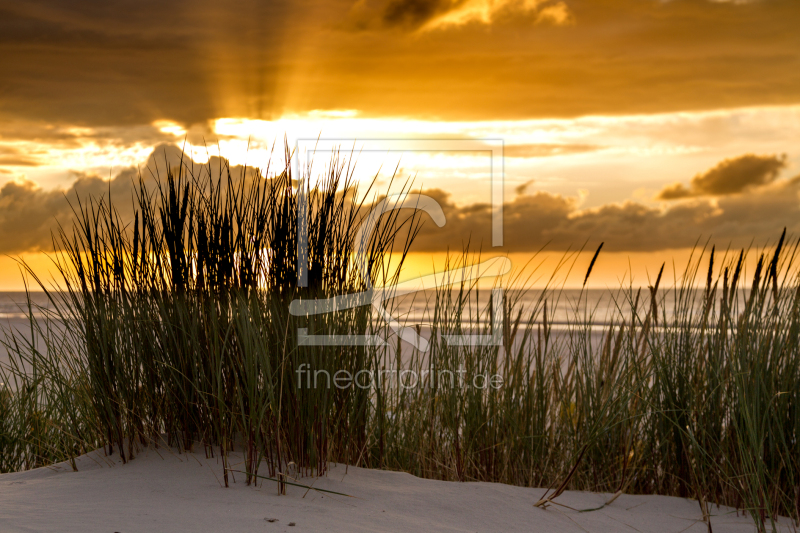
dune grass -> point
(174, 329)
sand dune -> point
(164, 491)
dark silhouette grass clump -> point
(176, 327)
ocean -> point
(566, 308)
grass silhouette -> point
(176, 328)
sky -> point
(649, 125)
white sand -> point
(162, 491)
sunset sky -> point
(650, 125)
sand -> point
(165, 491)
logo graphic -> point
(494, 267)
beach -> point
(164, 490)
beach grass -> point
(175, 330)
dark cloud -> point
(522, 189)
(14, 157)
(542, 219)
(18, 161)
(115, 62)
(93, 62)
(731, 176)
(414, 13)
(65, 137)
(28, 214)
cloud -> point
(105, 63)
(429, 15)
(14, 157)
(731, 176)
(29, 214)
(532, 219)
(18, 161)
(546, 149)
(26, 216)
(35, 138)
(415, 13)
(523, 188)
(557, 14)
